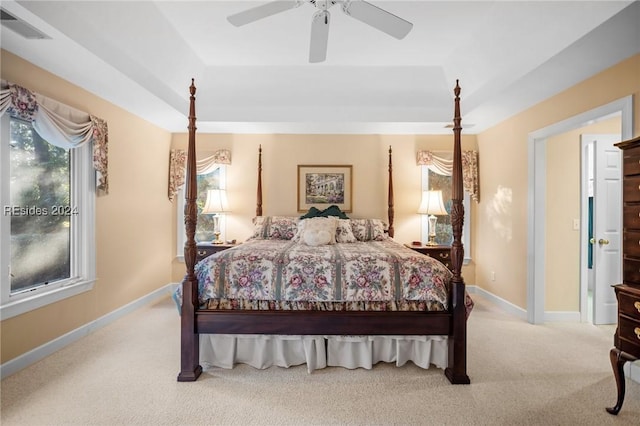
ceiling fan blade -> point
(377, 18)
(262, 11)
(319, 36)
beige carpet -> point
(125, 374)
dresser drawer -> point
(631, 162)
(631, 189)
(631, 216)
(629, 335)
(631, 270)
(629, 305)
(204, 250)
(631, 244)
(441, 253)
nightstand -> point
(441, 253)
(207, 249)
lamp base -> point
(432, 241)
(217, 239)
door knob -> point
(603, 241)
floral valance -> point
(60, 125)
(178, 164)
(442, 163)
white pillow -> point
(314, 237)
(314, 225)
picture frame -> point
(321, 186)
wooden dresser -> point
(627, 338)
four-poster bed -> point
(226, 312)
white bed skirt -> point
(264, 351)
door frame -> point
(584, 222)
(537, 191)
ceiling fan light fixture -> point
(359, 9)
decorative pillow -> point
(368, 229)
(332, 210)
(317, 225)
(313, 237)
(274, 227)
(344, 234)
(313, 212)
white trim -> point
(632, 371)
(36, 301)
(42, 351)
(501, 303)
(536, 190)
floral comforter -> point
(283, 274)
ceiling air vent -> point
(19, 26)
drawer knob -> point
(637, 306)
(443, 255)
(201, 252)
(637, 331)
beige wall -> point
(562, 249)
(136, 223)
(368, 154)
(133, 222)
(501, 222)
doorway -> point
(536, 239)
(601, 223)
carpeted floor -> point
(521, 374)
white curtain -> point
(59, 124)
(178, 163)
(442, 164)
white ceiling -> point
(141, 55)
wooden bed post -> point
(259, 194)
(390, 210)
(190, 368)
(456, 372)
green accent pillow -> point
(313, 212)
(333, 211)
(329, 211)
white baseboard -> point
(632, 371)
(505, 305)
(35, 355)
(508, 307)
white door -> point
(607, 225)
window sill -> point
(27, 304)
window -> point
(205, 226)
(47, 222)
(444, 231)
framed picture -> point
(323, 186)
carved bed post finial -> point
(390, 211)
(259, 194)
(456, 372)
(191, 192)
(189, 340)
(457, 193)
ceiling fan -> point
(358, 9)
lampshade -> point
(432, 203)
(216, 202)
